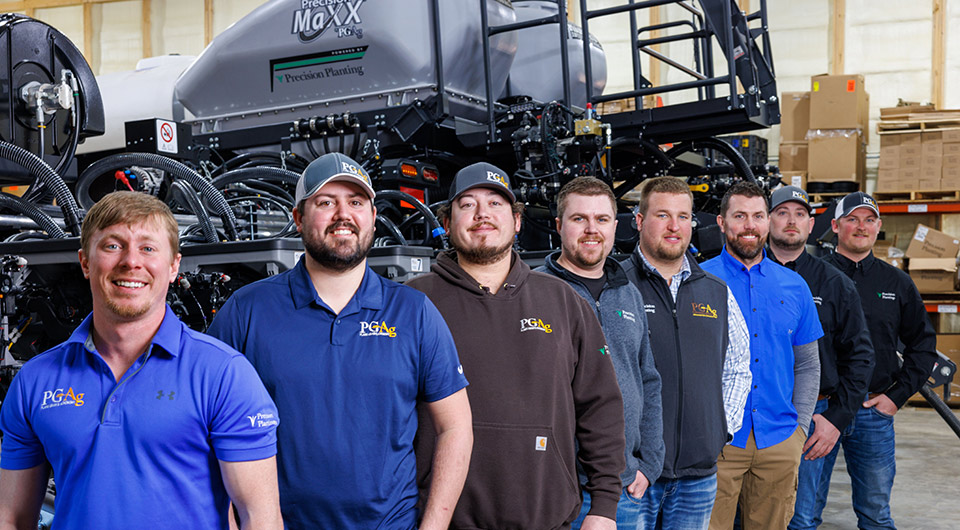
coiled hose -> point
(30, 161)
(44, 221)
(184, 193)
(178, 170)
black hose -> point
(312, 148)
(942, 409)
(257, 173)
(23, 236)
(356, 141)
(28, 160)
(422, 208)
(44, 221)
(183, 190)
(179, 170)
(392, 229)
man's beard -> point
(126, 311)
(661, 252)
(481, 254)
(585, 260)
(340, 257)
(743, 250)
(787, 244)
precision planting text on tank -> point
(314, 17)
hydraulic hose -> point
(184, 193)
(178, 170)
(28, 160)
(942, 409)
(44, 221)
(392, 229)
(435, 231)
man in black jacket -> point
(704, 364)
(894, 312)
(846, 354)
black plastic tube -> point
(392, 229)
(184, 193)
(422, 208)
(22, 157)
(44, 221)
(178, 170)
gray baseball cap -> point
(851, 202)
(481, 175)
(787, 194)
(332, 167)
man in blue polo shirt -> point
(146, 423)
(759, 467)
(347, 355)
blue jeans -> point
(628, 512)
(679, 504)
(869, 450)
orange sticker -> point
(851, 85)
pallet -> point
(917, 122)
(899, 196)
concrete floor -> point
(926, 492)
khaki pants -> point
(764, 481)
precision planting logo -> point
(315, 17)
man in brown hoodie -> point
(543, 390)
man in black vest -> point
(846, 353)
(704, 364)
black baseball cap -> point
(851, 202)
(787, 194)
(481, 175)
(332, 167)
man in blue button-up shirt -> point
(759, 468)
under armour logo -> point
(170, 395)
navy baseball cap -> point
(482, 175)
(787, 194)
(851, 202)
(332, 167)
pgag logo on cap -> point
(800, 195)
(354, 170)
(492, 176)
(870, 201)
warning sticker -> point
(851, 85)
(921, 234)
(167, 136)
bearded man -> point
(758, 468)
(347, 355)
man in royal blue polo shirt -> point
(759, 467)
(347, 355)
(146, 423)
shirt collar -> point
(167, 336)
(369, 295)
(734, 265)
(684, 272)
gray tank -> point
(536, 66)
(293, 56)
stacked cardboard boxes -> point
(933, 260)
(919, 149)
(794, 123)
(901, 161)
(839, 124)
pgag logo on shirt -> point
(493, 176)
(377, 329)
(703, 310)
(58, 398)
(530, 324)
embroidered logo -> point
(263, 419)
(605, 350)
(541, 443)
(58, 398)
(650, 308)
(495, 177)
(817, 300)
(703, 310)
(170, 396)
(374, 328)
(627, 315)
(887, 296)
(530, 324)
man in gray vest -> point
(704, 364)
(587, 222)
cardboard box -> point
(911, 162)
(950, 149)
(950, 181)
(931, 161)
(909, 174)
(839, 102)
(836, 156)
(890, 158)
(794, 116)
(793, 156)
(901, 111)
(951, 136)
(928, 184)
(933, 275)
(929, 243)
(889, 140)
(888, 185)
(950, 160)
(931, 143)
(911, 150)
(910, 138)
(794, 178)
